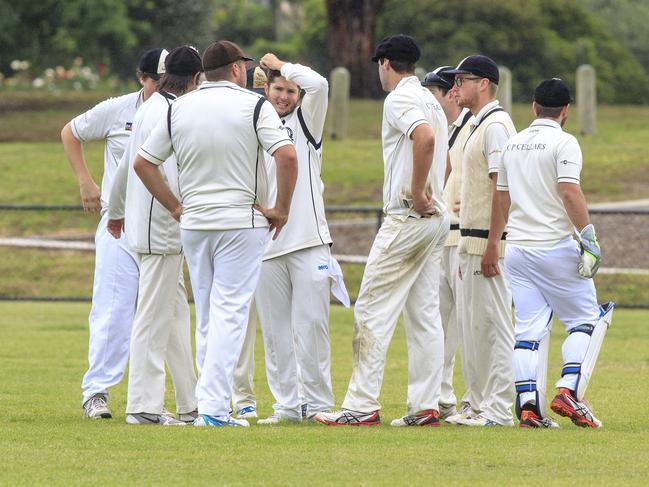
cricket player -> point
(486, 295)
(218, 133)
(403, 268)
(114, 291)
(162, 324)
(549, 271)
(293, 292)
(442, 86)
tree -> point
(351, 33)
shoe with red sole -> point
(567, 405)
(529, 419)
(428, 417)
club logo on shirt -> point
(129, 126)
(566, 162)
(323, 267)
(289, 131)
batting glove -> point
(591, 255)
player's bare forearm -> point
(489, 264)
(150, 175)
(286, 161)
(574, 202)
(88, 189)
(423, 146)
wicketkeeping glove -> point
(591, 255)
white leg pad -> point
(592, 352)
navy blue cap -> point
(552, 93)
(479, 65)
(397, 48)
(439, 77)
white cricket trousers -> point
(293, 304)
(545, 280)
(114, 296)
(450, 307)
(224, 269)
(161, 331)
(488, 326)
(243, 391)
(402, 274)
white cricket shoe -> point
(249, 412)
(97, 408)
(218, 421)
(479, 420)
(446, 411)
(152, 419)
(465, 412)
(279, 418)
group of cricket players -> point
(217, 162)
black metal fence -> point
(623, 234)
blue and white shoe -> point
(249, 412)
(480, 420)
(217, 421)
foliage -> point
(536, 39)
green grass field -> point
(44, 440)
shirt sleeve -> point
(403, 113)
(502, 183)
(569, 161)
(496, 137)
(157, 148)
(316, 96)
(95, 123)
(270, 131)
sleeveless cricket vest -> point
(476, 190)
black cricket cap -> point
(222, 53)
(152, 63)
(439, 77)
(183, 60)
(479, 65)
(552, 93)
(398, 48)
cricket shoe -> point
(97, 408)
(446, 411)
(567, 405)
(529, 419)
(347, 417)
(428, 417)
(152, 419)
(218, 421)
(249, 412)
(478, 420)
(465, 412)
(279, 418)
(189, 417)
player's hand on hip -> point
(275, 216)
(489, 264)
(178, 211)
(115, 227)
(90, 196)
(425, 205)
(590, 252)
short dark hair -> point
(548, 112)
(144, 76)
(402, 67)
(271, 75)
(175, 83)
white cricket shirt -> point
(307, 223)
(534, 162)
(406, 107)
(149, 227)
(111, 120)
(221, 169)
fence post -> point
(505, 89)
(338, 104)
(586, 99)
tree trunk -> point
(352, 27)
